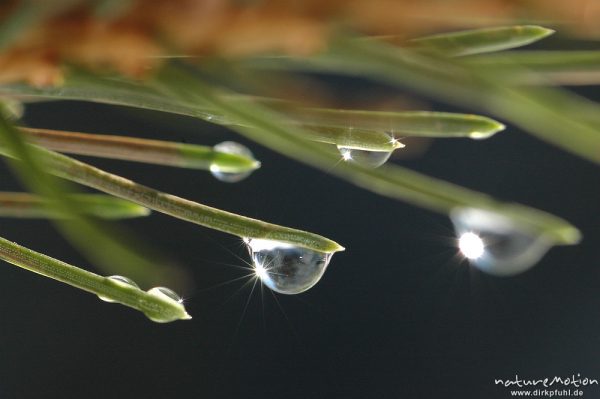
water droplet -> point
(231, 147)
(286, 268)
(480, 135)
(165, 292)
(121, 281)
(371, 159)
(495, 244)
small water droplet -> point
(119, 280)
(495, 244)
(165, 292)
(368, 158)
(480, 135)
(231, 147)
(286, 268)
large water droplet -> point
(231, 147)
(286, 268)
(496, 244)
(121, 281)
(370, 159)
(164, 292)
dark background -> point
(396, 315)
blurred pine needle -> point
(215, 60)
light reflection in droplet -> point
(286, 268)
(368, 158)
(496, 244)
(471, 245)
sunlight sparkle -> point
(261, 271)
(396, 143)
(471, 245)
(346, 154)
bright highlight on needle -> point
(396, 143)
(346, 154)
(471, 245)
